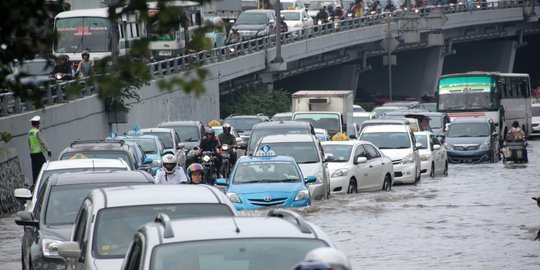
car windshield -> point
(259, 133)
(188, 134)
(341, 153)
(233, 254)
(302, 152)
(435, 121)
(290, 16)
(422, 139)
(387, 140)
(165, 137)
(65, 200)
(360, 119)
(38, 67)
(148, 145)
(328, 121)
(315, 5)
(468, 130)
(242, 123)
(116, 226)
(97, 154)
(266, 172)
(252, 19)
(536, 111)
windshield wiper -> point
(455, 107)
(287, 180)
(309, 161)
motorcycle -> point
(63, 77)
(226, 160)
(207, 161)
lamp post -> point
(277, 8)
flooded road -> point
(478, 217)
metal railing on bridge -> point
(55, 93)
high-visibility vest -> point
(33, 141)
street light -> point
(277, 8)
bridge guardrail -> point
(9, 103)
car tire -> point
(23, 267)
(432, 171)
(353, 186)
(387, 183)
(445, 172)
(417, 177)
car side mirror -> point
(26, 219)
(436, 147)
(271, 22)
(22, 194)
(360, 160)
(181, 146)
(310, 179)
(328, 157)
(221, 182)
(418, 145)
(148, 160)
(69, 250)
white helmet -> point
(169, 163)
(335, 258)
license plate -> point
(165, 53)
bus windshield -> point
(467, 93)
(82, 33)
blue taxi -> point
(152, 146)
(267, 180)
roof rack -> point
(302, 224)
(164, 220)
(121, 142)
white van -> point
(398, 143)
(308, 153)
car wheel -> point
(22, 259)
(387, 184)
(417, 177)
(445, 172)
(432, 171)
(353, 187)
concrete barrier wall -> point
(10, 179)
(86, 118)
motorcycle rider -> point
(338, 13)
(283, 26)
(195, 173)
(516, 134)
(170, 172)
(227, 138)
(85, 66)
(211, 143)
(234, 36)
(322, 15)
(64, 67)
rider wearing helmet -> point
(195, 173)
(211, 143)
(170, 172)
(85, 66)
(63, 66)
(331, 256)
(227, 138)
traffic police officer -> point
(38, 146)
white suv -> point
(308, 154)
(398, 143)
(228, 243)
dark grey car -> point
(56, 208)
(255, 23)
(190, 132)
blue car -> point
(152, 145)
(269, 181)
(472, 140)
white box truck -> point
(328, 109)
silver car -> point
(109, 218)
(234, 243)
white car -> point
(297, 20)
(535, 119)
(357, 166)
(433, 157)
(65, 166)
(399, 144)
(308, 154)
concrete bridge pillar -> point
(338, 77)
(488, 55)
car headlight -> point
(50, 247)
(425, 157)
(449, 146)
(302, 195)
(485, 146)
(206, 158)
(408, 159)
(298, 25)
(262, 33)
(233, 197)
(340, 172)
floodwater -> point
(479, 217)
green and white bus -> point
(504, 97)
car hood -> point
(396, 154)
(250, 27)
(57, 232)
(466, 140)
(310, 169)
(115, 263)
(265, 188)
